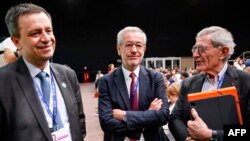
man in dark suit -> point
(132, 108)
(214, 45)
(25, 112)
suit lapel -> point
(143, 85)
(26, 82)
(231, 78)
(197, 84)
(121, 86)
(63, 86)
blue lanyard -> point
(220, 81)
(46, 105)
(134, 90)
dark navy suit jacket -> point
(113, 94)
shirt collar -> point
(221, 73)
(35, 70)
(127, 72)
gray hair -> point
(13, 14)
(219, 37)
(130, 29)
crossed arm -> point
(120, 114)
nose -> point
(196, 53)
(133, 48)
(45, 37)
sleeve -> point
(151, 118)
(105, 108)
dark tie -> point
(133, 93)
(45, 85)
(133, 96)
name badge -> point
(61, 135)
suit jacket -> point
(181, 113)
(113, 94)
(21, 114)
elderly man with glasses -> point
(214, 46)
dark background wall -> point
(86, 29)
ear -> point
(118, 48)
(15, 40)
(225, 51)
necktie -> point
(133, 96)
(45, 85)
(133, 93)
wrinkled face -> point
(37, 41)
(207, 57)
(131, 50)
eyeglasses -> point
(130, 45)
(201, 49)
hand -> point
(197, 128)
(118, 114)
(156, 104)
(189, 139)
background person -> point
(85, 74)
(172, 95)
(239, 63)
(111, 67)
(97, 78)
(8, 52)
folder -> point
(217, 107)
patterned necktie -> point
(133, 93)
(45, 85)
(133, 96)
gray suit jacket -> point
(113, 94)
(21, 114)
(181, 113)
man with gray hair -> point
(214, 46)
(132, 102)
